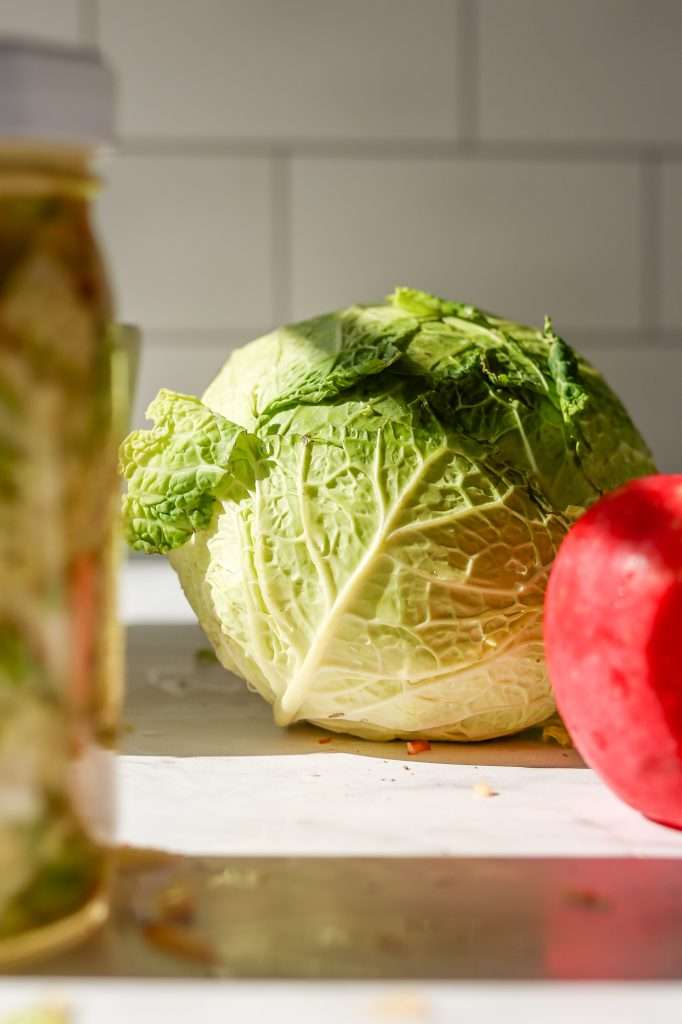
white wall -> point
(279, 157)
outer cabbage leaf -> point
(311, 361)
(180, 470)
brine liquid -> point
(57, 498)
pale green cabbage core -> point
(364, 508)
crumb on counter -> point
(177, 904)
(588, 899)
(179, 942)
(404, 1006)
(205, 655)
(554, 731)
(483, 791)
(56, 1013)
(417, 746)
(236, 878)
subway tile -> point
(672, 246)
(647, 379)
(300, 69)
(523, 238)
(597, 70)
(189, 240)
(186, 362)
(56, 20)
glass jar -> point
(59, 643)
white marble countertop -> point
(153, 1002)
(150, 592)
(290, 796)
(190, 782)
(328, 804)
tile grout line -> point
(88, 21)
(467, 58)
(411, 149)
(280, 221)
(650, 241)
(208, 337)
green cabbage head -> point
(364, 507)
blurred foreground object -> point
(613, 622)
(62, 407)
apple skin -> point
(613, 641)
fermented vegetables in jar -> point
(59, 656)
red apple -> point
(613, 637)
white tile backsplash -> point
(544, 198)
(56, 20)
(524, 238)
(184, 362)
(189, 240)
(284, 68)
(597, 70)
(671, 263)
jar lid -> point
(55, 93)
